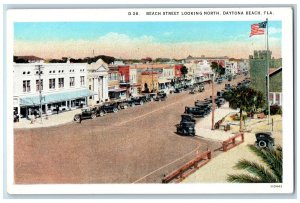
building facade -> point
(53, 87)
(97, 81)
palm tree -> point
(272, 173)
(245, 99)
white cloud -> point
(121, 45)
(273, 30)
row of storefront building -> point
(65, 86)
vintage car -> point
(149, 97)
(178, 89)
(138, 100)
(110, 107)
(161, 96)
(195, 111)
(264, 140)
(186, 128)
(187, 118)
(86, 113)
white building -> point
(62, 85)
(231, 67)
(97, 75)
(203, 71)
(133, 81)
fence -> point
(231, 142)
(188, 168)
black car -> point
(264, 140)
(195, 111)
(227, 86)
(186, 128)
(149, 97)
(139, 100)
(187, 118)
(161, 96)
(178, 90)
(204, 107)
(86, 113)
(110, 107)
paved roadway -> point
(137, 145)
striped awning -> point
(56, 97)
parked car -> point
(161, 96)
(99, 110)
(139, 100)
(86, 113)
(16, 117)
(187, 118)
(195, 111)
(186, 128)
(227, 86)
(110, 107)
(149, 97)
(264, 140)
(178, 90)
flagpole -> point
(268, 75)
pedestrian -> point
(57, 109)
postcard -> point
(150, 101)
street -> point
(137, 145)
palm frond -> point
(257, 170)
(272, 158)
(243, 178)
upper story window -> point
(72, 81)
(52, 83)
(26, 85)
(82, 83)
(38, 85)
(61, 82)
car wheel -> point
(93, 116)
(101, 114)
(115, 110)
(262, 143)
(77, 118)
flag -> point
(258, 29)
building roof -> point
(31, 57)
(151, 65)
(274, 71)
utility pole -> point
(152, 79)
(38, 68)
(213, 104)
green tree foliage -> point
(246, 99)
(184, 71)
(271, 173)
(217, 68)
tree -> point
(272, 173)
(245, 99)
(217, 68)
(184, 71)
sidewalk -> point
(203, 126)
(53, 120)
(217, 170)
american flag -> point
(258, 29)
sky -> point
(142, 39)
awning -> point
(56, 97)
(117, 90)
